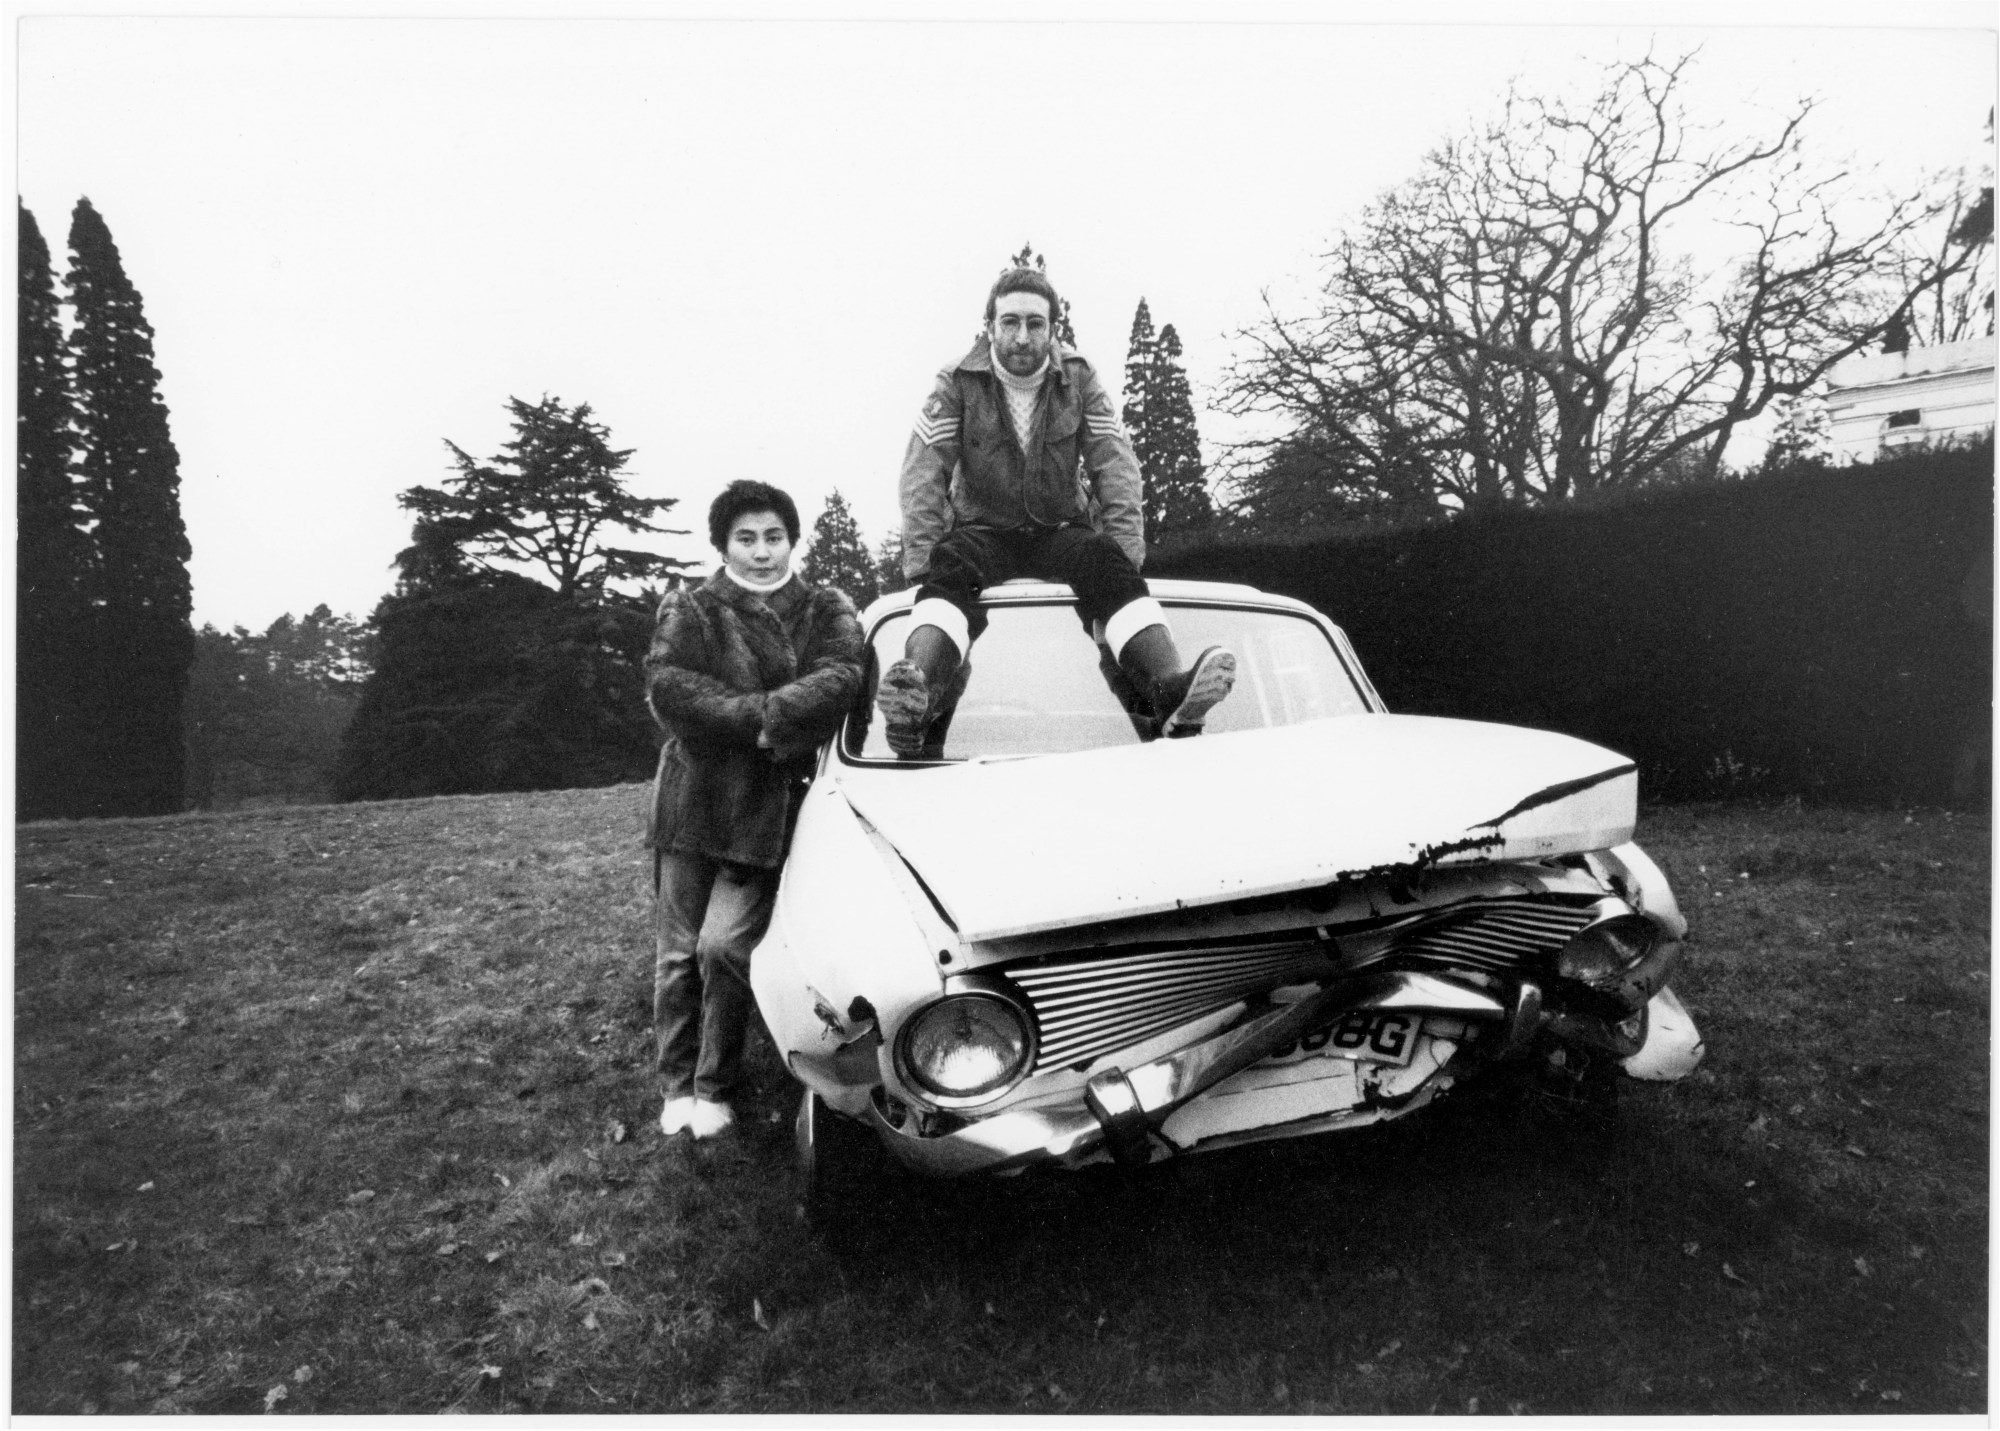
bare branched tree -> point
(1961, 237)
(1524, 319)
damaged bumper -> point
(1118, 1110)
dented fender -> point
(819, 976)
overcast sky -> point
(750, 244)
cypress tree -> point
(1177, 501)
(137, 586)
(837, 556)
(51, 549)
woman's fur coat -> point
(722, 671)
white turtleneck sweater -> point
(1021, 394)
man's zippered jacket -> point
(965, 466)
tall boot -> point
(907, 694)
(1182, 698)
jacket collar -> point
(980, 360)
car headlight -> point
(1604, 952)
(966, 1047)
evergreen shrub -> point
(1811, 631)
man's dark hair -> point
(743, 496)
(1023, 280)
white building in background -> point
(1878, 402)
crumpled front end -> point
(1301, 1015)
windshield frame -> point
(1042, 595)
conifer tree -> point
(837, 556)
(1177, 502)
(137, 585)
(485, 678)
(52, 548)
(1028, 258)
(547, 501)
(889, 562)
(1139, 373)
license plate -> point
(1364, 1036)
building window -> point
(1908, 417)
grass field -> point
(346, 1109)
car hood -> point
(1012, 847)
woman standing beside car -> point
(748, 673)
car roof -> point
(1025, 591)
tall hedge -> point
(1825, 633)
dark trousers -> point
(969, 558)
(709, 916)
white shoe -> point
(676, 1116)
(708, 1118)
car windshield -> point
(1038, 686)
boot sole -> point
(1214, 678)
(904, 698)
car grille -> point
(1090, 1006)
(1494, 935)
(1086, 1007)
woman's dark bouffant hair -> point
(747, 496)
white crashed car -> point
(1062, 942)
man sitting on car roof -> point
(994, 487)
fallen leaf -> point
(1388, 1351)
(757, 1314)
(274, 1396)
(1688, 1249)
(590, 1321)
(613, 1259)
(582, 1239)
(1892, 1396)
(357, 1198)
(1861, 1266)
(145, 1187)
(303, 1375)
(489, 1370)
(447, 1249)
(495, 1255)
(1730, 1273)
(130, 1368)
(619, 1133)
(505, 1181)
(1854, 1151)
